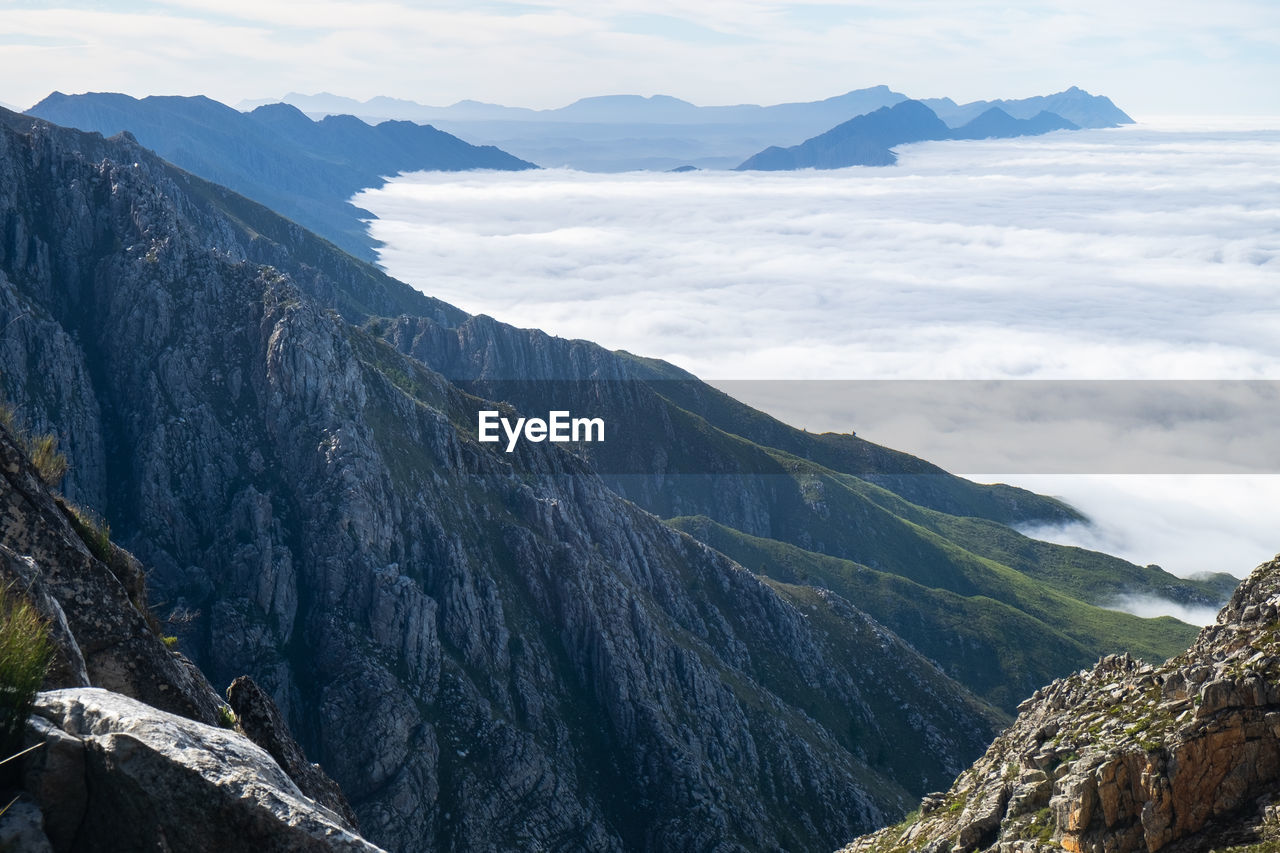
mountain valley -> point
(717, 631)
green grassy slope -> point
(1004, 638)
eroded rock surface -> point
(114, 774)
(1130, 757)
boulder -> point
(152, 780)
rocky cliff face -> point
(487, 651)
(1131, 757)
(105, 771)
(706, 462)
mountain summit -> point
(865, 141)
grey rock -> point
(96, 609)
(157, 781)
(1133, 767)
(259, 719)
(22, 829)
(54, 775)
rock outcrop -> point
(95, 604)
(1131, 757)
(114, 774)
(257, 716)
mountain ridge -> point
(1074, 104)
(661, 109)
(868, 140)
(307, 170)
(624, 132)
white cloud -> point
(1149, 606)
(1133, 253)
(1148, 252)
(1185, 524)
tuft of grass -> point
(25, 652)
(49, 462)
(94, 532)
(227, 718)
(42, 450)
(170, 642)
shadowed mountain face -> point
(492, 650)
(276, 155)
(868, 140)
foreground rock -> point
(117, 775)
(1130, 757)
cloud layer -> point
(1130, 253)
(1146, 252)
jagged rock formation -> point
(115, 776)
(1184, 756)
(257, 716)
(95, 604)
(832, 510)
(93, 596)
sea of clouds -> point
(1145, 252)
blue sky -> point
(1151, 57)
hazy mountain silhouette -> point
(276, 155)
(618, 132)
(995, 123)
(612, 109)
(862, 141)
(868, 140)
(1074, 104)
(613, 133)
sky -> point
(1148, 252)
(1153, 57)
